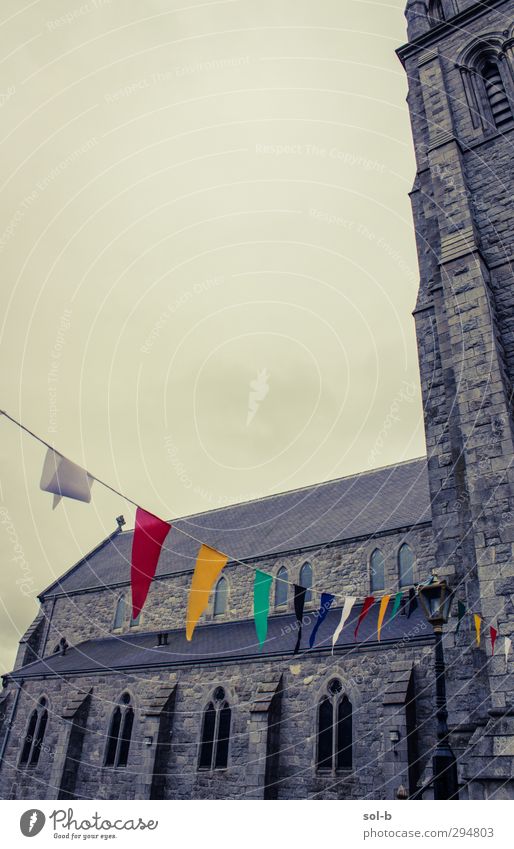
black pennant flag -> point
(299, 604)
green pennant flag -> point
(396, 605)
(461, 612)
(261, 588)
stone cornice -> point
(435, 34)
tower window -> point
(496, 95)
(376, 568)
(306, 580)
(435, 12)
(335, 733)
(215, 738)
(33, 740)
(281, 588)
(120, 733)
(221, 597)
(405, 566)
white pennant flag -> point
(347, 609)
(62, 477)
(508, 646)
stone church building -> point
(99, 706)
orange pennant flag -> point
(209, 564)
(381, 613)
(478, 622)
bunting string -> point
(64, 478)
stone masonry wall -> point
(365, 678)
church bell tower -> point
(459, 62)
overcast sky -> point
(208, 260)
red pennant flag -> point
(493, 634)
(149, 535)
(365, 609)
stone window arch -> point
(376, 571)
(220, 597)
(405, 566)
(487, 78)
(120, 733)
(120, 613)
(334, 749)
(306, 580)
(215, 734)
(281, 588)
(34, 734)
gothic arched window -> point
(405, 566)
(376, 569)
(435, 12)
(34, 735)
(221, 597)
(120, 733)
(119, 616)
(281, 587)
(496, 94)
(335, 733)
(215, 738)
(135, 622)
(306, 580)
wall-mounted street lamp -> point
(436, 599)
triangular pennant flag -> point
(347, 609)
(413, 602)
(64, 478)
(261, 589)
(478, 622)
(326, 601)
(381, 613)
(493, 633)
(461, 612)
(396, 604)
(209, 564)
(507, 647)
(149, 535)
(364, 612)
(299, 603)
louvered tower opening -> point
(498, 100)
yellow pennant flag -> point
(478, 622)
(209, 564)
(381, 613)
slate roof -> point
(366, 504)
(224, 642)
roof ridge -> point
(297, 489)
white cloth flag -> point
(62, 477)
(347, 609)
(508, 646)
